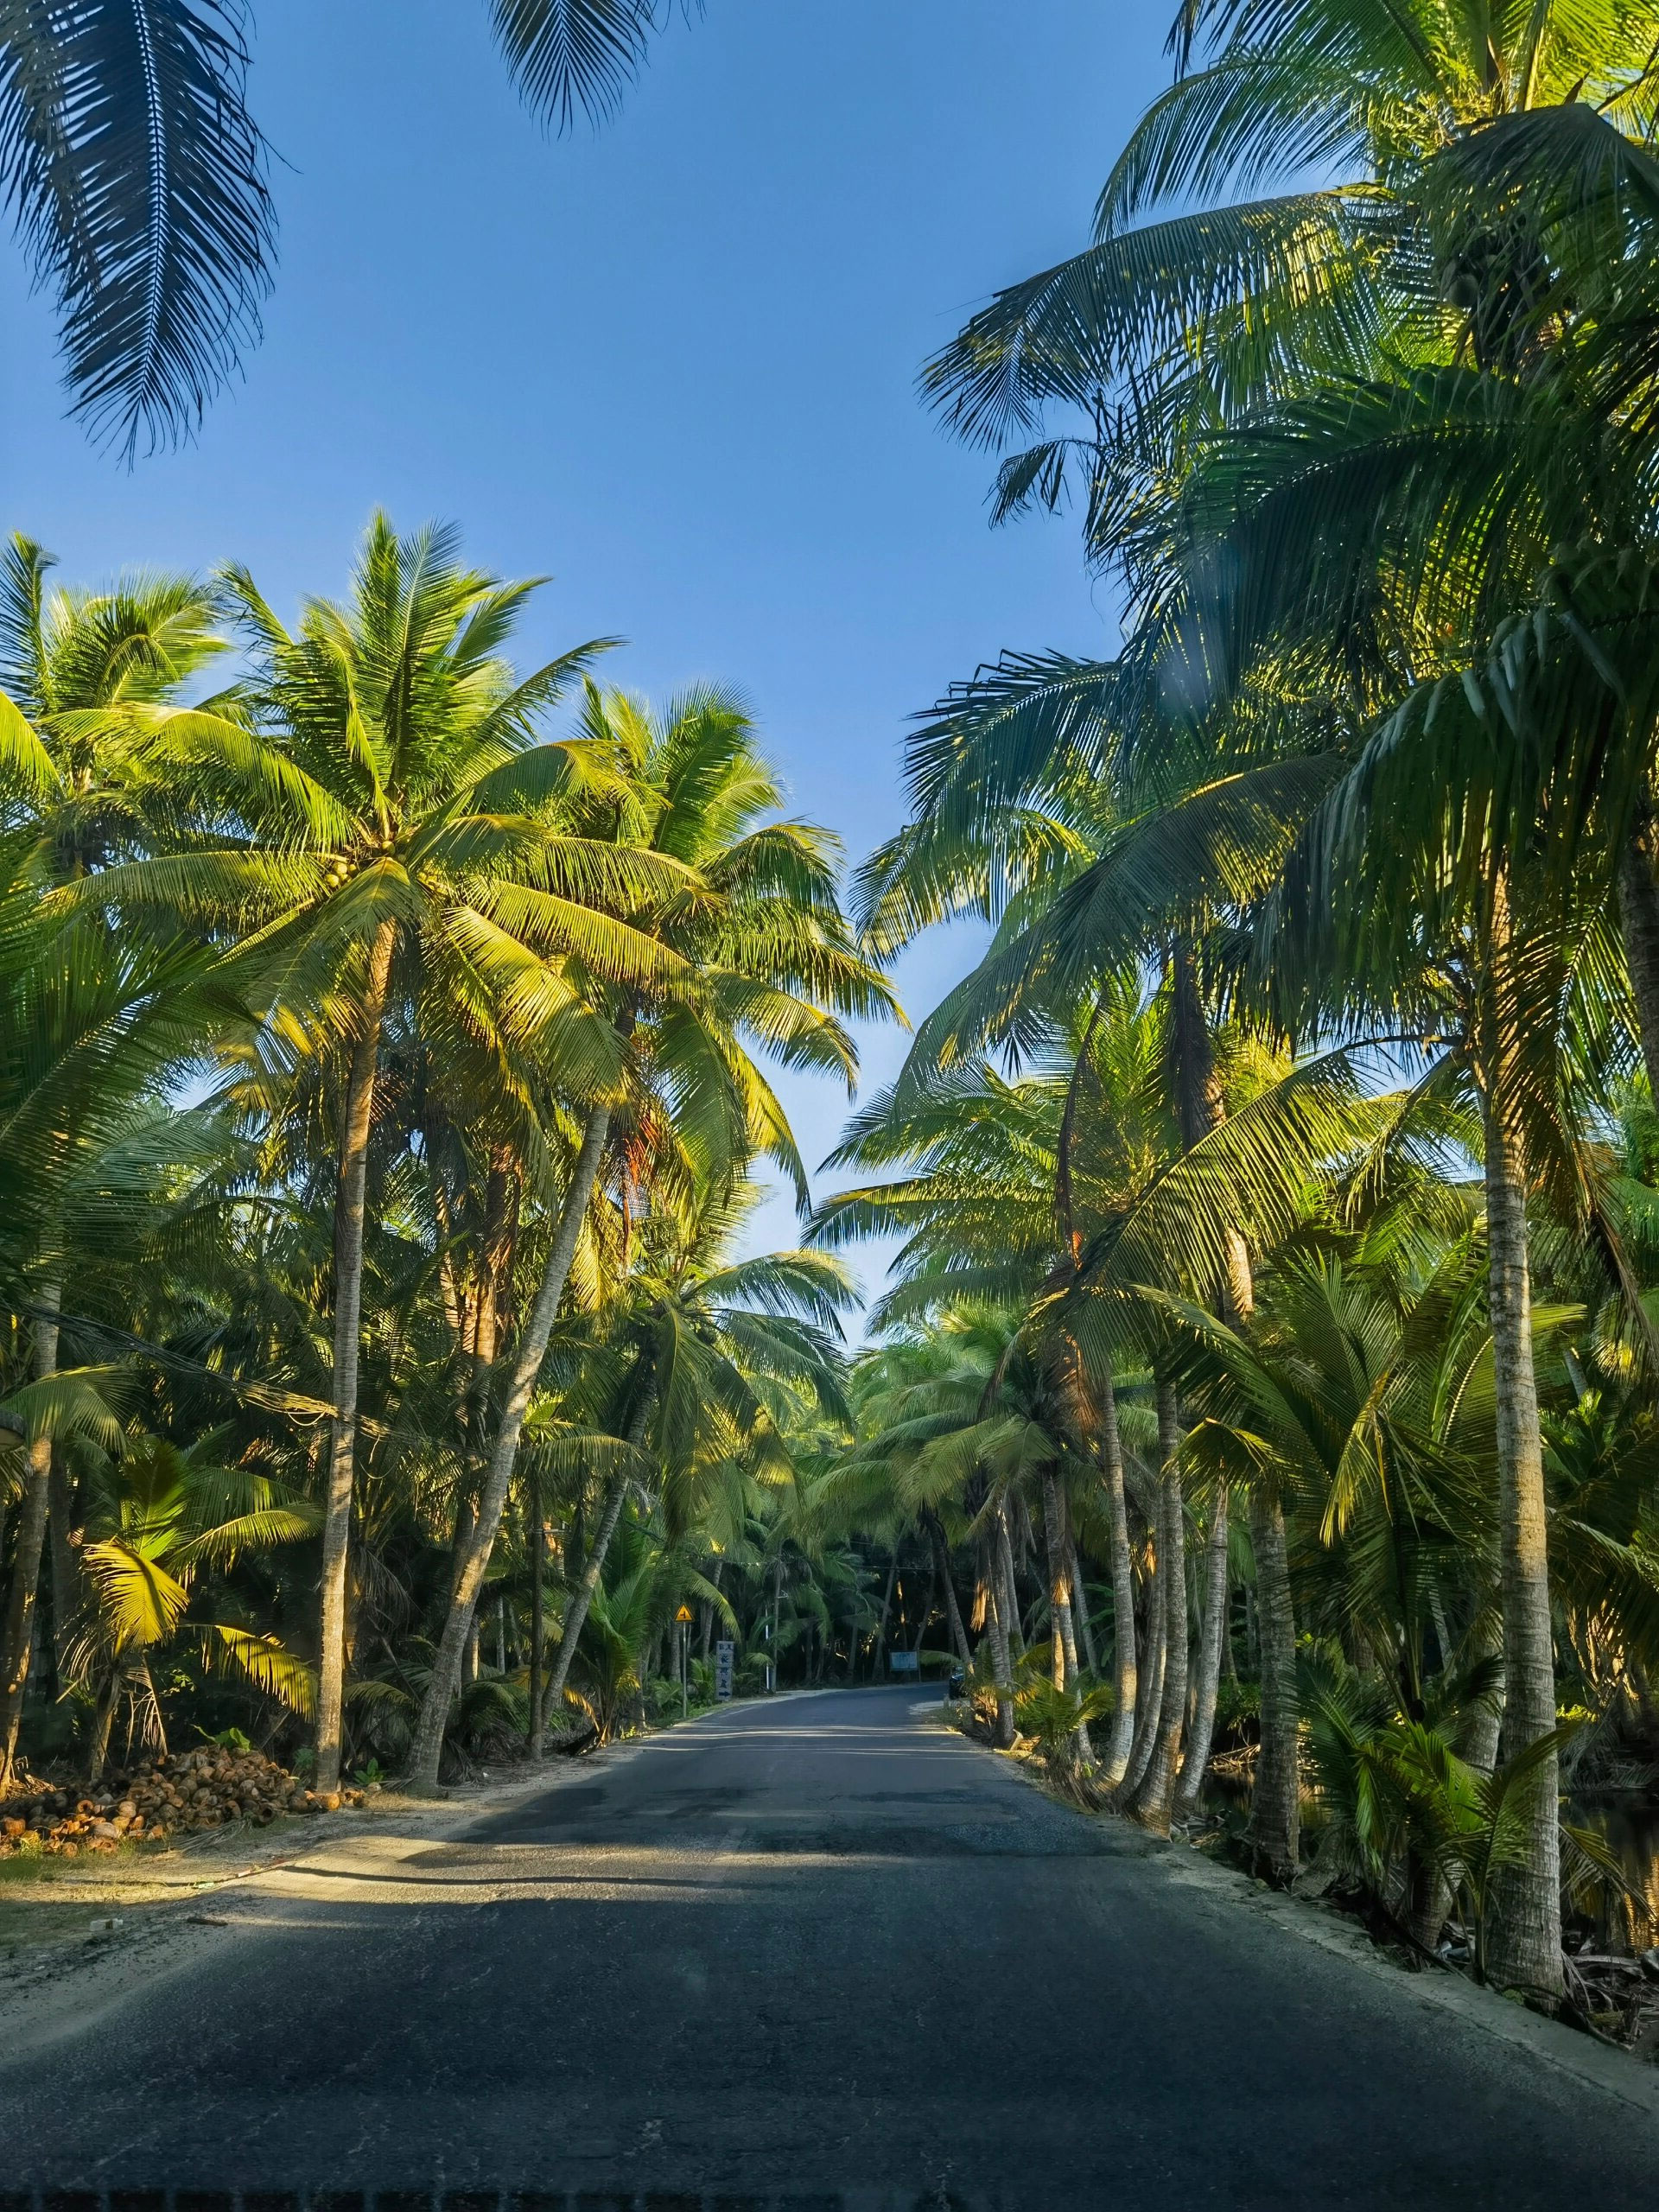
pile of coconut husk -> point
(204, 1788)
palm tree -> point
(396, 841)
(164, 1516)
(95, 1025)
(70, 661)
(757, 956)
(140, 180)
(723, 1352)
(1303, 488)
(1010, 1183)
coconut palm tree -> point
(757, 957)
(1010, 1182)
(723, 1353)
(95, 1025)
(380, 829)
(140, 180)
(162, 1517)
(69, 661)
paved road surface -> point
(815, 1950)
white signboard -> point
(724, 1654)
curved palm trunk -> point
(349, 1208)
(1080, 1609)
(1275, 1811)
(953, 1612)
(1212, 1642)
(532, 1349)
(1275, 1816)
(1153, 1802)
(1005, 1553)
(996, 1624)
(1125, 1673)
(1151, 1678)
(537, 1623)
(571, 1635)
(17, 1644)
(1066, 1674)
(1524, 1947)
(66, 1567)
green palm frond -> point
(267, 1664)
(571, 54)
(139, 179)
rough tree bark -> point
(1065, 1670)
(1154, 1800)
(1080, 1621)
(1151, 1674)
(18, 1641)
(1523, 1948)
(349, 1204)
(1212, 1642)
(1275, 1811)
(537, 1615)
(996, 1601)
(1125, 1673)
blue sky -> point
(670, 364)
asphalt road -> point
(813, 1951)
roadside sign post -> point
(683, 1618)
(725, 1652)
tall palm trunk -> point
(1156, 1795)
(1276, 1812)
(953, 1612)
(1152, 1675)
(927, 1603)
(1080, 1621)
(66, 1565)
(1276, 1808)
(17, 1643)
(1005, 1552)
(1639, 914)
(880, 1643)
(996, 1625)
(538, 1549)
(1524, 1948)
(1125, 1673)
(1212, 1641)
(1065, 1671)
(579, 1604)
(349, 1208)
(527, 1366)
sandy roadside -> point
(73, 1940)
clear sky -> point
(670, 364)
